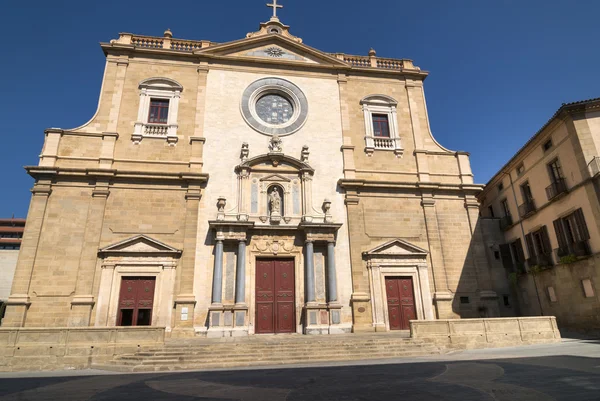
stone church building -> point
(249, 187)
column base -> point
(324, 319)
(228, 321)
(16, 311)
(184, 312)
(361, 312)
(81, 311)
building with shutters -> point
(545, 201)
(249, 187)
(11, 234)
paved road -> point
(567, 371)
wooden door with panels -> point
(275, 296)
(136, 301)
(401, 302)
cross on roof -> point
(275, 6)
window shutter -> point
(520, 252)
(530, 247)
(581, 226)
(546, 241)
(560, 234)
(506, 256)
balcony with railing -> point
(158, 130)
(594, 166)
(383, 143)
(168, 42)
(578, 249)
(557, 188)
(527, 208)
(543, 260)
(506, 222)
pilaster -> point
(83, 300)
(50, 151)
(18, 301)
(115, 107)
(436, 256)
(107, 153)
(185, 301)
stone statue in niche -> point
(275, 144)
(275, 204)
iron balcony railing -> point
(579, 249)
(506, 222)
(527, 208)
(541, 260)
(594, 166)
(557, 188)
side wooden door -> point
(136, 300)
(265, 291)
(401, 302)
(285, 299)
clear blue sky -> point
(499, 69)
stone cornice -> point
(40, 172)
(120, 49)
(363, 184)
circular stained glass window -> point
(274, 109)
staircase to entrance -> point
(257, 351)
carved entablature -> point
(231, 230)
(270, 246)
(320, 232)
(275, 189)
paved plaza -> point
(566, 371)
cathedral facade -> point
(258, 186)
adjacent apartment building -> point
(546, 200)
(11, 234)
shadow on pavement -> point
(539, 379)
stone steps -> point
(263, 356)
(255, 352)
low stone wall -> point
(71, 348)
(487, 333)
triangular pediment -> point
(272, 48)
(397, 247)
(275, 178)
(140, 244)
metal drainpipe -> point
(537, 293)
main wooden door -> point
(275, 298)
(136, 300)
(401, 302)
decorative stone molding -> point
(158, 88)
(398, 258)
(381, 104)
(277, 86)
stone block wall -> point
(567, 291)
(71, 348)
(487, 333)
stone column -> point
(310, 272)
(83, 301)
(331, 273)
(240, 279)
(18, 302)
(217, 290)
